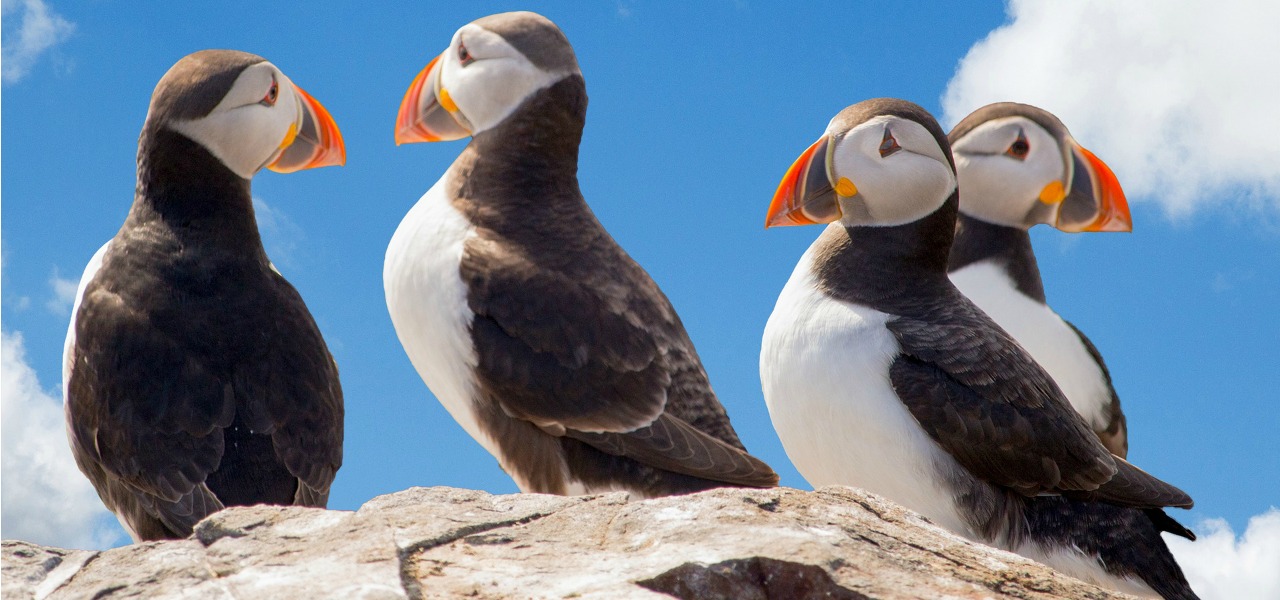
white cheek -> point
(1045, 162)
(919, 186)
(243, 138)
(902, 188)
(488, 91)
(995, 189)
(1001, 190)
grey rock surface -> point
(838, 543)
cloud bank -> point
(38, 29)
(1178, 97)
(1220, 566)
(64, 294)
(44, 497)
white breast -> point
(824, 366)
(428, 303)
(1043, 334)
(69, 347)
(1074, 562)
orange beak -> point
(427, 113)
(806, 195)
(1096, 201)
(312, 142)
(1113, 213)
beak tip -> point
(775, 220)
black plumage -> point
(576, 344)
(197, 377)
(969, 384)
(1009, 248)
(1031, 472)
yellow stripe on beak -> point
(845, 188)
(1053, 193)
(289, 136)
(446, 101)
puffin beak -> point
(806, 195)
(1096, 201)
(313, 140)
(428, 113)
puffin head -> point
(1019, 166)
(245, 112)
(490, 68)
(881, 162)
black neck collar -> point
(1008, 247)
(188, 190)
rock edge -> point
(422, 543)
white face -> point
(1001, 181)
(247, 128)
(895, 187)
(493, 80)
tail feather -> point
(1164, 522)
(1125, 543)
(1132, 487)
(674, 445)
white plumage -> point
(427, 300)
(68, 348)
(1044, 335)
(824, 366)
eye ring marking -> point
(464, 56)
(889, 144)
(1019, 148)
(273, 93)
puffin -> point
(879, 373)
(1019, 167)
(194, 376)
(542, 338)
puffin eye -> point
(273, 94)
(464, 56)
(1019, 148)
(889, 144)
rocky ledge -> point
(838, 543)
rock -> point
(837, 543)
(755, 578)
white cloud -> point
(1220, 567)
(64, 294)
(44, 498)
(38, 29)
(1178, 97)
(280, 234)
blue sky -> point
(696, 110)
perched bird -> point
(879, 373)
(195, 378)
(539, 334)
(1018, 166)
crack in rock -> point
(755, 578)
(413, 587)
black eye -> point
(272, 94)
(464, 56)
(889, 144)
(1019, 148)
